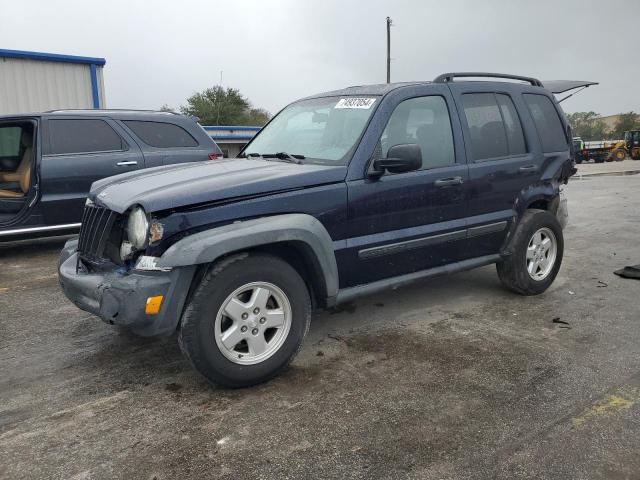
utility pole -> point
(219, 93)
(389, 23)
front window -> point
(320, 130)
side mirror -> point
(400, 158)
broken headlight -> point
(138, 228)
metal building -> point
(36, 82)
(231, 139)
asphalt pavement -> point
(451, 378)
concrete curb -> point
(622, 173)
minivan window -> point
(513, 127)
(547, 123)
(488, 137)
(10, 141)
(424, 121)
(161, 134)
(323, 130)
(82, 136)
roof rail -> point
(448, 77)
(110, 110)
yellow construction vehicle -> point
(632, 144)
(616, 150)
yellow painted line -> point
(612, 403)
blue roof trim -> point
(231, 127)
(218, 138)
(51, 57)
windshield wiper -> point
(284, 156)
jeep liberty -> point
(341, 194)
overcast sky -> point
(277, 51)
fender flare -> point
(209, 245)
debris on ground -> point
(340, 338)
(602, 284)
(562, 323)
(629, 272)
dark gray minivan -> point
(49, 160)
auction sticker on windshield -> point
(355, 102)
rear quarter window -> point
(161, 134)
(547, 123)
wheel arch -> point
(299, 239)
(542, 196)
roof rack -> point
(448, 77)
(110, 110)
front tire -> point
(620, 154)
(534, 254)
(246, 320)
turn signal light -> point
(153, 305)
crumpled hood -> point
(178, 185)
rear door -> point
(165, 143)
(78, 151)
(503, 160)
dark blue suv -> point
(342, 194)
(49, 160)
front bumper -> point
(120, 298)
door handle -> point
(124, 164)
(529, 168)
(446, 182)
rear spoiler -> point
(561, 86)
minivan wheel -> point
(534, 255)
(246, 320)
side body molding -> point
(209, 245)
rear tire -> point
(531, 264)
(246, 320)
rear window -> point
(512, 125)
(488, 136)
(161, 134)
(547, 122)
(83, 136)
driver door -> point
(412, 221)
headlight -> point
(138, 228)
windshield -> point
(319, 130)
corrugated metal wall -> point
(35, 85)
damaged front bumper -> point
(120, 298)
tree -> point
(219, 106)
(626, 121)
(588, 126)
(167, 108)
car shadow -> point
(32, 246)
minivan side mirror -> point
(400, 158)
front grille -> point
(94, 231)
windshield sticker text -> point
(354, 102)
